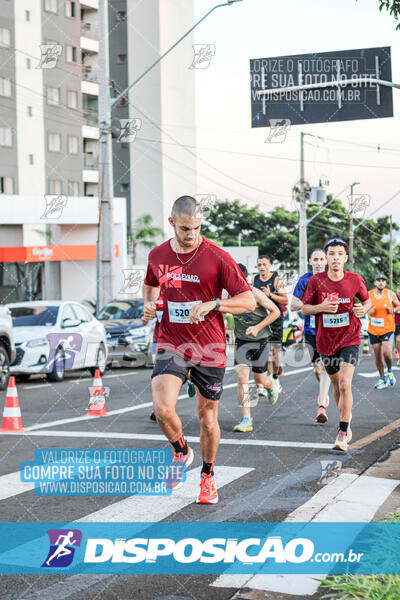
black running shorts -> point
(254, 354)
(348, 354)
(378, 339)
(208, 380)
(312, 347)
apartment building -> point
(49, 146)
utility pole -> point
(391, 254)
(302, 213)
(351, 230)
(105, 245)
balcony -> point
(90, 4)
(89, 73)
(90, 162)
(90, 30)
(89, 45)
(90, 87)
(91, 117)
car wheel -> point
(100, 361)
(4, 368)
(58, 372)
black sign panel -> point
(321, 105)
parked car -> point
(7, 347)
(128, 340)
(53, 337)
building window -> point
(73, 188)
(72, 54)
(73, 144)
(121, 59)
(51, 5)
(28, 63)
(5, 136)
(121, 15)
(30, 158)
(4, 36)
(70, 8)
(29, 111)
(53, 96)
(6, 185)
(55, 186)
(5, 87)
(124, 187)
(27, 15)
(72, 99)
(54, 142)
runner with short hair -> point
(381, 329)
(252, 334)
(318, 264)
(190, 272)
(272, 286)
(330, 297)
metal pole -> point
(391, 254)
(302, 214)
(105, 286)
(351, 232)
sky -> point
(260, 29)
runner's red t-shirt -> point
(203, 277)
(159, 313)
(397, 316)
(334, 331)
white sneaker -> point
(341, 442)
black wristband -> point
(218, 301)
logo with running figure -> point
(63, 543)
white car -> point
(54, 336)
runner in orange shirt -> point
(381, 329)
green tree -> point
(276, 234)
(393, 6)
(144, 233)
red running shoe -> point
(184, 459)
(208, 490)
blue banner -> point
(201, 548)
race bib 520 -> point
(178, 312)
(340, 320)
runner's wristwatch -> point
(218, 301)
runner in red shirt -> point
(397, 331)
(190, 273)
(330, 297)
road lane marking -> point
(350, 498)
(190, 438)
(76, 381)
(375, 435)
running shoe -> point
(184, 459)
(191, 389)
(273, 393)
(278, 385)
(208, 490)
(341, 441)
(153, 416)
(381, 384)
(246, 424)
(321, 417)
(390, 378)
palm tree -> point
(144, 233)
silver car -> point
(53, 337)
(7, 347)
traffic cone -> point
(365, 349)
(12, 420)
(97, 401)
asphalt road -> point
(269, 472)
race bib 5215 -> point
(340, 320)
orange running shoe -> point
(208, 490)
(185, 459)
(321, 417)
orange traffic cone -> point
(97, 401)
(12, 420)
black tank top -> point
(258, 283)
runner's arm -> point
(274, 312)
(314, 309)
(281, 295)
(296, 303)
(395, 301)
(235, 306)
(150, 295)
(361, 309)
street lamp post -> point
(351, 230)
